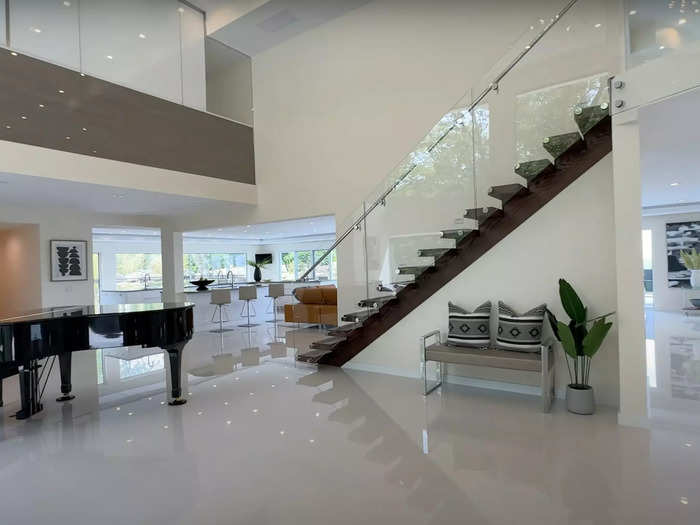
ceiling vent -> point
(278, 21)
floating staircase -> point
(540, 181)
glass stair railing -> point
(484, 168)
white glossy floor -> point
(268, 443)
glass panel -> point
(133, 43)
(657, 29)
(193, 65)
(433, 189)
(564, 73)
(229, 82)
(137, 271)
(3, 24)
(46, 29)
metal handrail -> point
(493, 86)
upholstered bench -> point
(542, 362)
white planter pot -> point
(695, 278)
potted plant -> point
(580, 339)
(259, 266)
(691, 260)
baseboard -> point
(457, 380)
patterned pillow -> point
(470, 329)
(522, 333)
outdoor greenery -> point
(580, 342)
(213, 265)
(133, 267)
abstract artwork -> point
(680, 236)
(69, 261)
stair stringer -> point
(543, 190)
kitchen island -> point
(204, 310)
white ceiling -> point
(670, 144)
(273, 22)
(313, 228)
(23, 190)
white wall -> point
(20, 287)
(337, 107)
(665, 298)
(572, 237)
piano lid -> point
(43, 314)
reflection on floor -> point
(262, 441)
(673, 368)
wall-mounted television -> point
(263, 257)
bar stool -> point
(273, 292)
(247, 294)
(220, 298)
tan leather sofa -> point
(317, 305)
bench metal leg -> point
(426, 389)
(423, 345)
(547, 378)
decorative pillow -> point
(470, 329)
(522, 333)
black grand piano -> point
(30, 342)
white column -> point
(628, 246)
(173, 273)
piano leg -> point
(29, 391)
(175, 358)
(65, 364)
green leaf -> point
(567, 340)
(595, 337)
(571, 302)
(554, 323)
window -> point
(215, 266)
(136, 271)
(295, 264)
(287, 267)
